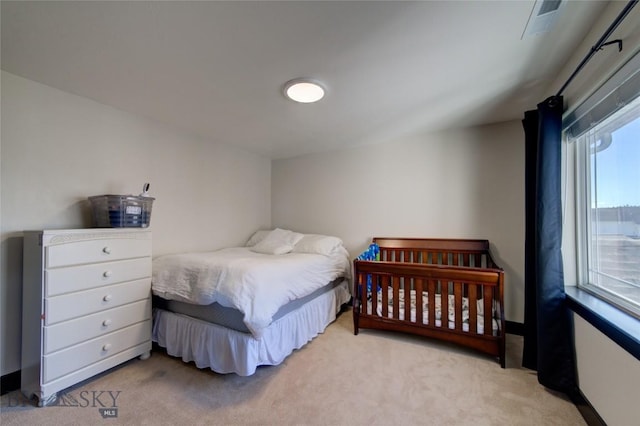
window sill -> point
(616, 324)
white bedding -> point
(256, 284)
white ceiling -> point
(216, 69)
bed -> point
(448, 289)
(234, 309)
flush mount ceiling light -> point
(303, 90)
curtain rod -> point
(601, 43)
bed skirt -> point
(224, 350)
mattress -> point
(232, 318)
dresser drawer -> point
(73, 305)
(84, 277)
(100, 250)
(75, 331)
(76, 357)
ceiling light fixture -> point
(303, 90)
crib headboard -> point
(437, 251)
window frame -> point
(584, 232)
(607, 317)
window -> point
(607, 145)
(609, 155)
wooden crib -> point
(455, 281)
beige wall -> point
(458, 184)
(58, 148)
(608, 375)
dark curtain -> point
(548, 326)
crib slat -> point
(465, 259)
(457, 291)
(362, 292)
(419, 301)
(473, 309)
(374, 294)
(432, 302)
(396, 297)
(385, 295)
(407, 298)
(488, 311)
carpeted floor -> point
(375, 378)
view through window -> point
(611, 208)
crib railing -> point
(436, 251)
(377, 283)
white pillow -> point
(257, 237)
(278, 241)
(320, 244)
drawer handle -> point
(107, 250)
(106, 322)
(107, 297)
(106, 347)
(106, 274)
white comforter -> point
(256, 284)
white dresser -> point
(86, 305)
